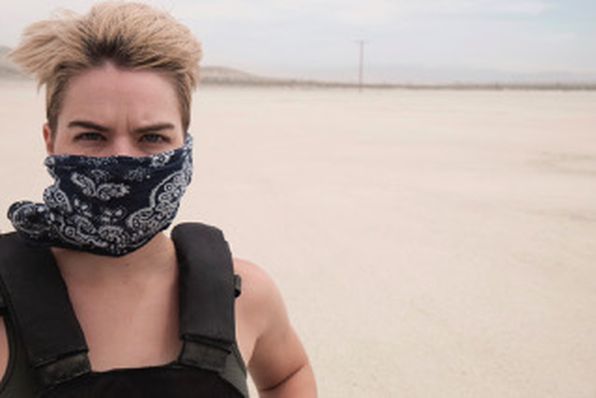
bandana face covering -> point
(108, 206)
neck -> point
(155, 259)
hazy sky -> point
(317, 38)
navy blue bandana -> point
(109, 206)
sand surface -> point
(428, 244)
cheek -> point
(50, 138)
(60, 144)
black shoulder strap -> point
(37, 300)
(2, 304)
(208, 288)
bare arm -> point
(279, 365)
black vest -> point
(48, 352)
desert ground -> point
(427, 243)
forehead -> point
(109, 93)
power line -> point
(361, 65)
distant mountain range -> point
(223, 76)
(7, 68)
(209, 74)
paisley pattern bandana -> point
(106, 205)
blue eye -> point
(90, 136)
(154, 138)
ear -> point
(48, 137)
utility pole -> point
(361, 67)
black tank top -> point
(48, 353)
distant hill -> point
(209, 74)
(8, 70)
(223, 76)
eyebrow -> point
(141, 130)
(87, 125)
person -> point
(96, 299)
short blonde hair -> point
(130, 35)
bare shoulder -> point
(278, 363)
(260, 298)
(255, 281)
(4, 354)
